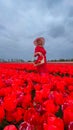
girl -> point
(40, 54)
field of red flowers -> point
(29, 101)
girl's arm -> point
(41, 61)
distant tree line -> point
(22, 60)
(11, 60)
(61, 60)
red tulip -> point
(51, 127)
(10, 127)
(68, 115)
(54, 122)
(26, 126)
(70, 126)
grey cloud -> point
(52, 3)
(2, 27)
(57, 31)
(70, 14)
(22, 21)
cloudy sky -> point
(21, 21)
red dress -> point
(42, 68)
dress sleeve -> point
(37, 49)
(38, 53)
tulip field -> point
(30, 101)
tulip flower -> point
(10, 127)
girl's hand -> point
(38, 53)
